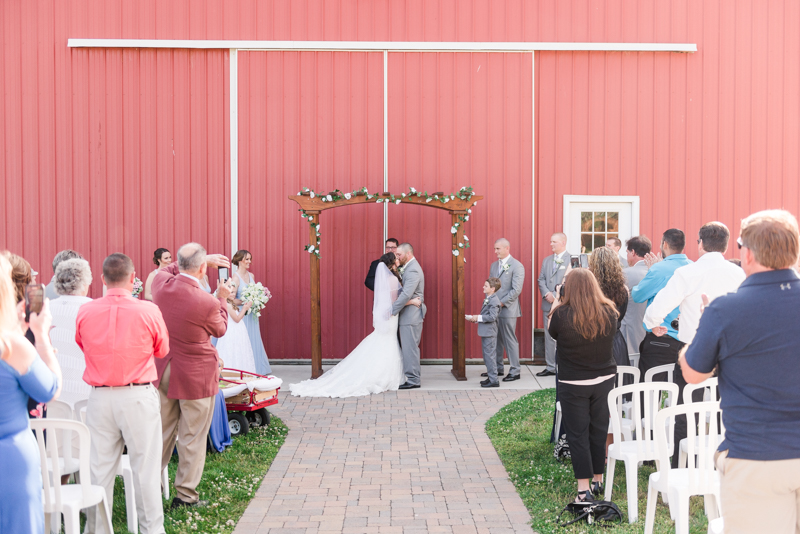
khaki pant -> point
(759, 496)
(127, 416)
(188, 421)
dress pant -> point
(759, 496)
(127, 416)
(507, 339)
(549, 345)
(188, 421)
(411, 335)
(489, 346)
(584, 411)
(655, 351)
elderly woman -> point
(72, 280)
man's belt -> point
(132, 384)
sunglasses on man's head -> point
(739, 242)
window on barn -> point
(589, 221)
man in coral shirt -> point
(188, 378)
(120, 337)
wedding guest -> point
(72, 280)
(511, 274)
(487, 330)
(68, 254)
(25, 372)
(615, 244)
(120, 337)
(751, 337)
(161, 258)
(243, 278)
(661, 350)
(188, 377)
(552, 274)
(391, 246)
(632, 328)
(584, 323)
(605, 266)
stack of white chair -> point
(624, 408)
(710, 395)
(646, 403)
(699, 478)
(68, 499)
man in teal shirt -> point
(655, 350)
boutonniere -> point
(486, 301)
(401, 270)
(506, 267)
(559, 261)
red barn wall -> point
(107, 150)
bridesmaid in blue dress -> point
(242, 260)
(23, 374)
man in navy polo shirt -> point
(753, 338)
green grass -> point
(230, 480)
(520, 432)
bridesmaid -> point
(242, 260)
(161, 257)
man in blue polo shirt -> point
(655, 350)
(752, 337)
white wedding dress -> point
(234, 347)
(376, 364)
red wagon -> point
(246, 407)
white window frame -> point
(603, 199)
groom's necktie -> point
(555, 265)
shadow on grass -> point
(230, 480)
(520, 432)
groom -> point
(411, 317)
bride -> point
(376, 364)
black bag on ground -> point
(603, 513)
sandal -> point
(597, 489)
(584, 496)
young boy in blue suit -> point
(487, 330)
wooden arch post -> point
(314, 206)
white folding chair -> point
(165, 482)
(641, 447)
(69, 499)
(67, 462)
(710, 395)
(716, 526)
(681, 483)
(669, 369)
(624, 408)
(125, 471)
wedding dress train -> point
(376, 364)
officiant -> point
(391, 246)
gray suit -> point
(511, 281)
(487, 330)
(632, 324)
(411, 317)
(550, 276)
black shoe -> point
(408, 386)
(584, 496)
(177, 503)
(546, 372)
(487, 374)
(597, 489)
(487, 384)
(511, 378)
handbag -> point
(603, 513)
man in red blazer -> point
(188, 377)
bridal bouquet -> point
(258, 295)
(138, 287)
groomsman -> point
(552, 274)
(511, 274)
(391, 246)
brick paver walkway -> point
(405, 462)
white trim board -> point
(577, 199)
(392, 46)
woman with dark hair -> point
(605, 266)
(584, 322)
(161, 257)
(242, 278)
(376, 364)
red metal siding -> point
(107, 150)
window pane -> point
(586, 243)
(613, 221)
(600, 221)
(599, 241)
(586, 221)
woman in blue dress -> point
(23, 374)
(242, 260)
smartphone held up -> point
(580, 261)
(34, 300)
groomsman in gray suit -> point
(632, 327)
(411, 317)
(511, 274)
(553, 269)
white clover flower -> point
(312, 194)
(456, 252)
(330, 198)
(347, 196)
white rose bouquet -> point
(258, 295)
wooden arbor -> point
(313, 205)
